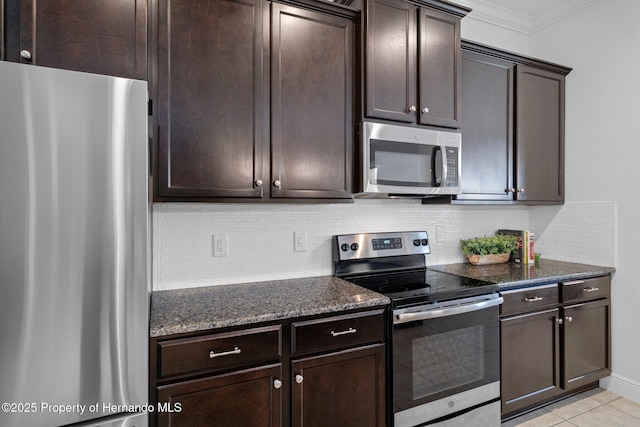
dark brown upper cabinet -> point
(255, 101)
(539, 135)
(312, 61)
(412, 68)
(487, 128)
(100, 36)
(512, 127)
(211, 98)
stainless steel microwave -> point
(408, 161)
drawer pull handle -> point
(534, 299)
(591, 289)
(348, 331)
(213, 354)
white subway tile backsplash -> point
(577, 232)
(260, 236)
(261, 247)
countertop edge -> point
(249, 321)
(525, 283)
(202, 309)
(513, 276)
(195, 310)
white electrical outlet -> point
(440, 233)
(300, 241)
(220, 245)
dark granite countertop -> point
(200, 309)
(511, 275)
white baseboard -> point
(622, 386)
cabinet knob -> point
(569, 319)
(425, 110)
(412, 109)
(25, 54)
(277, 383)
(277, 183)
(520, 190)
(559, 321)
(509, 190)
(299, 379)
(258, 183)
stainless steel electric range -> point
(444, 352)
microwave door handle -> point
(436, 167)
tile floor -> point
(593, 408)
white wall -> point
(603, 147)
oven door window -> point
(403, 164)
(441, 357)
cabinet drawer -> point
(528, 299)
(587, 289)
(219, 351)
(337, 332)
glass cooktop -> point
(412, 287)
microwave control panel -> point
(451, 179)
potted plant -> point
(488, 249)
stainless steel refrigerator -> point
(74, 261)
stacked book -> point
(524, 253)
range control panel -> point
(374, 245)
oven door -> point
(446, 358)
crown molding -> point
(559, 12)
(491, 13)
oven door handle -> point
(445, 311)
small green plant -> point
(498, 244)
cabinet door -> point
(487, 149)
(312, 104)
(539, 135)
(98, 36)
(211, 98)
(586, 343)
(529, 359)
(439, 69)
(390, 60)
(250, 398)
(344, 389)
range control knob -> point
(354, 246)
(416, 242)
(344, 247)
(425, 242)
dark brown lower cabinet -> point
(555, 341)
(318, 371)
(530, 358)
(325, 389)
(249, 398)
(586, 340)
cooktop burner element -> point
(394, 264)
